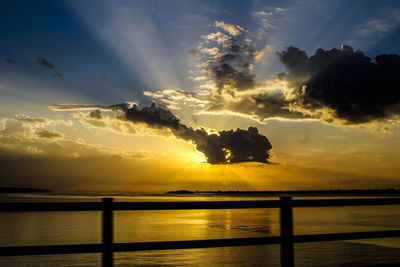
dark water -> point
(49, 228)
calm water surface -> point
(50, 228)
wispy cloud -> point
(49, 134)
(230, 28)
(122, 107)
(10, 61)
(46, 64)
(58, 75)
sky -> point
(152, 96)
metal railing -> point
(107, 247)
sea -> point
(58, 228)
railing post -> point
(107, 233)
(286, 225)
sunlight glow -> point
(198, 157)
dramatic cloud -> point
(46, 64)
(228, 81)
(338, 85)
(50, 134)
(154, 116)
(230, 146)
(222, 147)
(344, 81)
(10, 61)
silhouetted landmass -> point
(180, 192)
(349, 192)
(4, 190)
(389, 191)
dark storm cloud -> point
(10, 61)
(346, 81)
(231, 146)
(224, 147)
(46, 64)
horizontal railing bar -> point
(344, 202)
(188, 205)
(190, 244)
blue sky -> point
(143, 45)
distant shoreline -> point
(336, 192)
(9, 190)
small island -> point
(180, 192)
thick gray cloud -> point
(153, 116)
(224, 147)
(230, 79)
(231, 146)
(346, 81)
